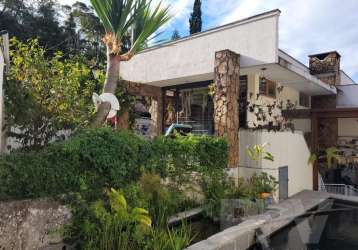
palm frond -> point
(120, 16)
(151, 20)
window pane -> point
(271, 89)
(196, 108)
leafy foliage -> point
(257, 153)
(178, 158)
(91, 160)
(108, 223)
(262, 183)
(97, 158)
(111, 222)
(57, 27)
(44, 95)
(118, 17)
(329, 155)
(269, 114)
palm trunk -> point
(110, 86)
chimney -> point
(326, 66)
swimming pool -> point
(333, 225)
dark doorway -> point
(243, 101)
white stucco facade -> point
(191, 59)
(289, 149)
(348, 127)
(347, 96)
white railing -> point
(342, 189)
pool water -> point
(332, 227)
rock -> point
(32, 224)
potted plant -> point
(263, 185)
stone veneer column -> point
(156, 112)
(226, 114)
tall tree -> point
(48, 29)
(175, 35)
(122, 19)
(91, 31)
(195, 18)
(71, 35)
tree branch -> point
(127, 56)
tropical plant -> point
(119, 206)
(171, 239)
(108, 223)
(157, 196)
(257, 152)
(121, 19)
(330, 154)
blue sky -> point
(306, 26)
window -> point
(304, 100)
(267, 87)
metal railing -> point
(341, 189)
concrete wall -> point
(289, 149)
(32, 224)
(348, 127)
(12, 143)
(191, 59)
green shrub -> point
(96, 158)
(92, 159)
(178, 158)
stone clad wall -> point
(327, 67)
(226, 114)
(28, 225)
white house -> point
(231, 80)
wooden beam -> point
(321, 113)
(143, 90)
(336, 113)
(297, 113)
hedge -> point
(97, 158)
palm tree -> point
(137, 19)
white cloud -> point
(306, 26)
(179, 10)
